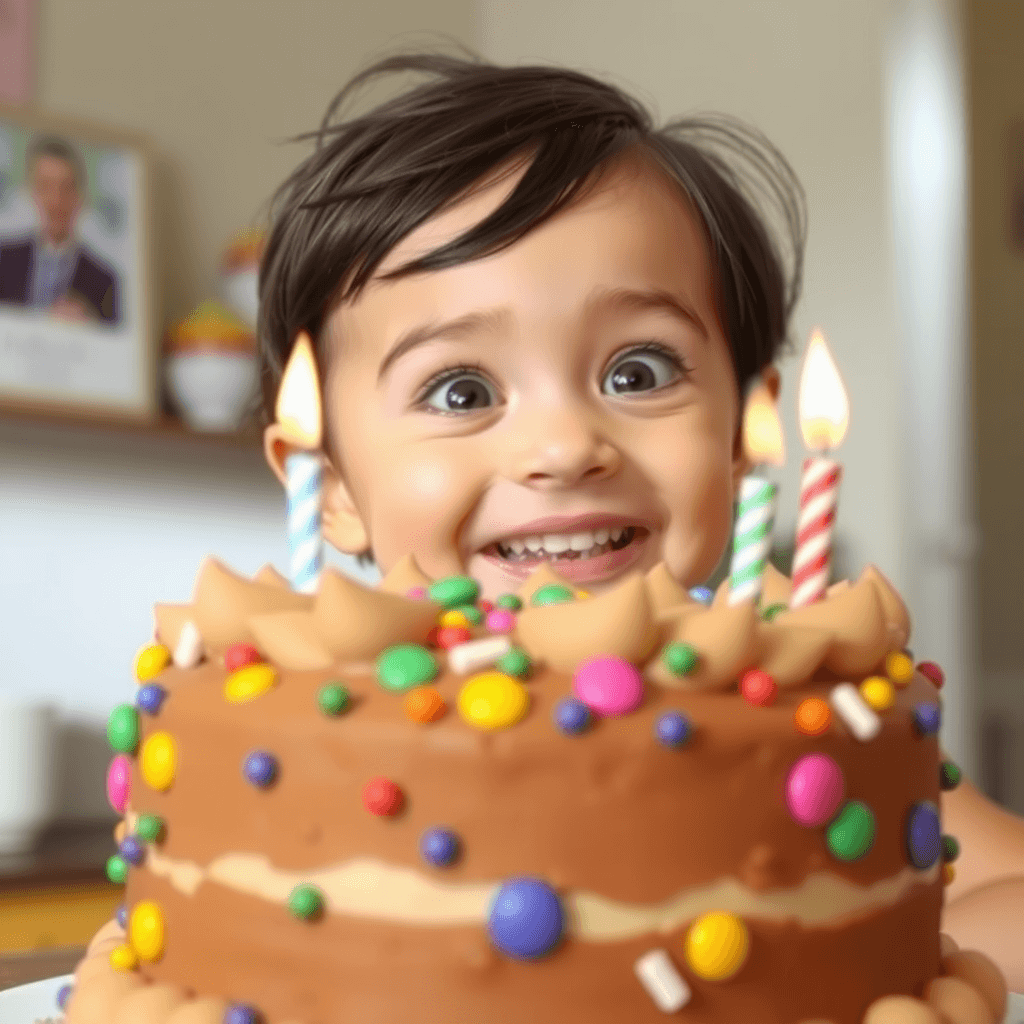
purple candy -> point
(132, 850)
(122, 915)
(609, 685)
(63, 995)
(240, 1013)
(571, 716)
(260, 768)
(150, 698)
(924, 835)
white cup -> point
(27, 771)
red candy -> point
(432, 636)
(382, 797)
(452, 636)
(239, 655)
(758, 687)
(485, 606)
(932, 672)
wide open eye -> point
(642, 370)
(459, 392)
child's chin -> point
(497, 575)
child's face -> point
(574, 384)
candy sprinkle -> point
(515, 663)
(249, 682)
(63, 995)
(119, 783)
(899, 667)
(509, 601)
(948, 874)
(680, 658)
(923, 835)
(851, 834)
(382, 797)
(526, 918)
(454, 617)
(124, 958)
(932, 673)
(149, 827)
(768, 614)
(306, 902)
(608, 685)
(673, 729)
(927, 718)
(239, 655)
(424, 704)
(332, 699)
(159, 760)
(440, 847)
(571, 716)
(477, 654)
(132, 850)
(452, 636)
(493, 700)
(813, 716)
(849, 705)
(150, 698)
(878, 693)
(758, 687)
(500, 620)
(664, 984)
(473, 615)
(702, 595)
(949, 775)
(123, 728)
(814, 789)
(453, 591)
(717, 945)
(241, 1013)
(552, 593)
(151, 661)
(950, 848)
(117, 870)
(404, 666)
(147, 930)
(260, 769)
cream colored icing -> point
(369, 888)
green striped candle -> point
(752, 538)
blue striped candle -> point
(305, 536)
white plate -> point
(28, 1004)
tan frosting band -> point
(369, 888)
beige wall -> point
(996, 48)
(217, 85)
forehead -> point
(51, 166)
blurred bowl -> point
(212, 389)
(27, 771)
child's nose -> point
(560, 448)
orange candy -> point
(424, 704)
(813, 716)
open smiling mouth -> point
(565, 547)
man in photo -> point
(52, 268)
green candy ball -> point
(404, 666)
(453, 591)
(149, 827)
(769, 613)
(950, 848)
(306, 902)
(552, 593)
(680, 658)
(515, 663)
(117, 870)
(123, 728)
(332, 699)
(472, 613)
(949, 775)
(851, 833)
(509, 601)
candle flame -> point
(823, 405)
(762, 430)
(298, 408)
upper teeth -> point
(556, 543)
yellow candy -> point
(717, 945)
(158, 760)
(146, 931)
(493, 700)
(249, 682)
(899, 668)
(948, 873)
(582, 595)
(123, 958)
(878, 693)
(151, 661)
(452, 618)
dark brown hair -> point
(58, 147)
(374, 178)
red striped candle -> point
(819, 497)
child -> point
(535, 316)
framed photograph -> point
(76, 323)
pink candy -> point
(500, 620)
(814, 790)
(608, 685)
(416, 593)
(119, 782)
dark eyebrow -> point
(636, 300)
(484, 320)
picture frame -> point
(77, 324)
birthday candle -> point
(755, 511)
(299, 415)
(824, 411)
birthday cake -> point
(410, 806)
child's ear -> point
(342, 525)
(740, 463)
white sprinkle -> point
(189, 651)
(663, 982)
(468, 657)
(850, 707)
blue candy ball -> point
(239, 1013)
(526, 919)
(924, 836)
(150, 698)
(571, 715)
(122, 915)
(439, 846)
(705, 595)
(132, 850)
(672, 728)
(260, 768)
(927, 718)
(63, 995)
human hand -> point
(71, 309)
